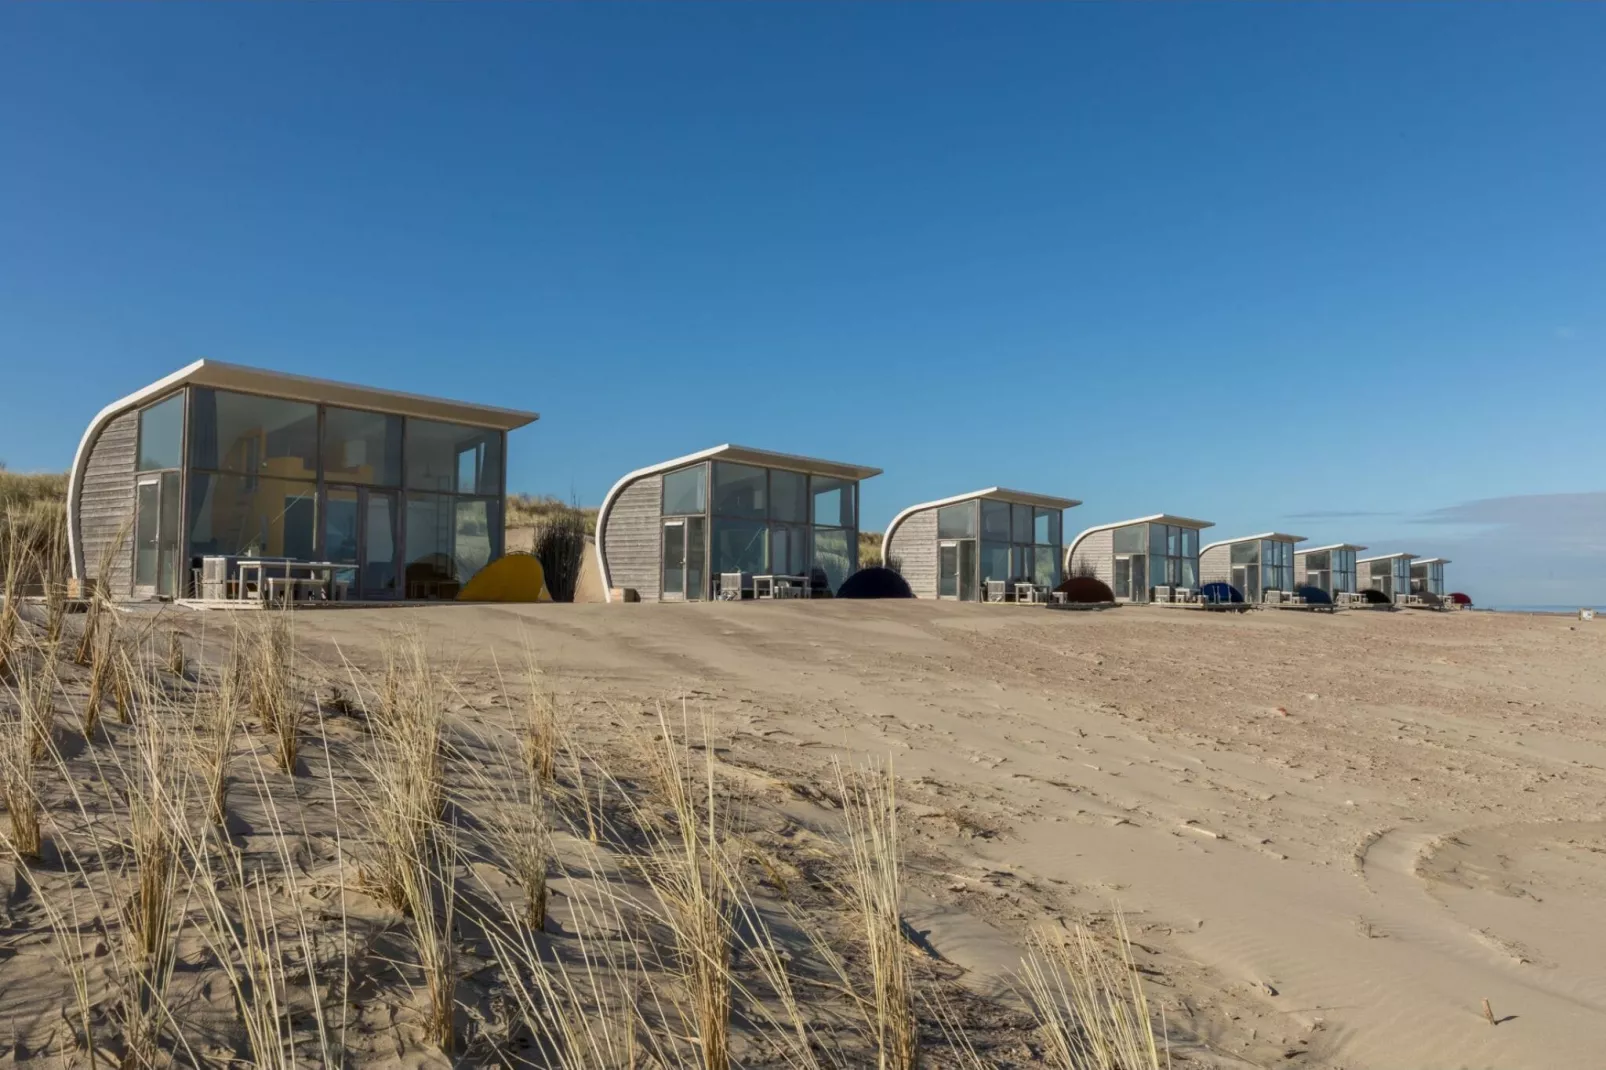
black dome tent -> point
(875, 582)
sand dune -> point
(1334, 836)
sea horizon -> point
(1570, 607)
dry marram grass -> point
(661, 952)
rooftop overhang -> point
(238, 377)
(1431, 561)
(1382, 557)
(1332, 546)
(1274, 536)
(813, 466)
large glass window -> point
(789, 551)
(1318, 559)
(995, 522)
(957, 521)
(1276, 565)
(161, 434)
(685, 491)
(1159, 576)
(741, 490)
(252, 516)
(833, 502)
(995, 561)
(1174, 556)
(1046, 527)
(362, 447)
(835, 553)
(1131, 539)
(1021, 528)
(1047, 570)
(448, 541)
(430, 561)
(474, 536)
(1245, 553)
(1344, 570)
(740, 546)
(789, 496)
(1157, 540)
(451, 458)
(253, 435)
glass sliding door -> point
(378, 566)
(359, 532)
(948, 570)
(169, 577)
(156, 521)
(696, 564)
(342, 534)
(967, 570)
(674, 588)
(147, 532)
(1132, 578)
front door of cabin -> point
(156, 512)
(684, 570)
(360, 533)
(948, 570)
(1131, 578)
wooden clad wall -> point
(633, 541)
(106, 503)
(914, 544)
(1098, 550)
(1215, 565)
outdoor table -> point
(779, 586)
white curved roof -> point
(1381, 557)
(1003, 494)
(216, 373)
(1275, 535)
(1331, 546)
(728, 452)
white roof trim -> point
(729, 452)
(1432, 561)
(1276, 536)
(1016, 497)
(223, 376)
(1381, 557)
(1330, 546)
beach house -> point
(1260, 567)
(1147, 559)
(1387, 573)
(988, 545)
(730, 521)
(1427, 578)
(387, 494)
(1329, 568)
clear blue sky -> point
(1248, 262)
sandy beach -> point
(1333, 836)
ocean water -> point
(1569, 610)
